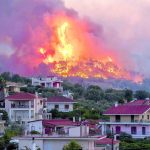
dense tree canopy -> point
(4, 115)
(140, 94)
(2, 82)
(15, 78)
(128, 95)
(73, 145)
(94, 93)
(127, 143)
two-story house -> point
(47, 82)
(24, 107)
(12, 87)
(132, 118)
(60, 103)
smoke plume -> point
(29, 25)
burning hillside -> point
(45, 33)
(71, 52)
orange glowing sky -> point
(74, 52)
(93, 38)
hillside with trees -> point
(92, 100)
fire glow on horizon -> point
(72, 53)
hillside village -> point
(38, 113)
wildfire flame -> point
(72, 52)
(64, 47)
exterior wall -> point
(59, 144)
(27, 110)
(79, 131)
(37, 126)
(11, 89)
(7, 105)
(38, 104)
(127, 128)
(125, 118)
(49, 82)
(145, 116)
(55, 144)
(20, 115)
(107, 147)
(28, 143)
(51, 106)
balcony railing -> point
(20, 106)
(126, 122)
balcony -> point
(21, 106)
(134, 122)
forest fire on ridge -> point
(72, 52)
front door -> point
(143, 130)
(118, 129)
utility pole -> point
(33, 144)
(112, 139)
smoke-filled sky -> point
(123, 25)
(126, 25)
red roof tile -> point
(105, 141)
(62, 122)
(139, 102)
(127, 109)
(60, 99)
(21, 96)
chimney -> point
(74, 119)
(125, 101)
(115, 137)
(36, 94)
(79, 119)
(116, 104)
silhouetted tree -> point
(140, 94)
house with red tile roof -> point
(52, 126)
(132, 118)
(104, 143)
(47, 82)
(61, 103)
(24, 107)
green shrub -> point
(34, 132)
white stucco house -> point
(24, 107)
(12, 87)
(51, 126)
(55, 143)
(60, 103)
(47, 82)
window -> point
(32, 128)
(142, 116)
(23, 122)
(118, 129)
(117, 118)
(132, 118)
(143, 130)
(148, 117)
(41, 102)
(66, 106)
(133, 130)
(56, 106)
